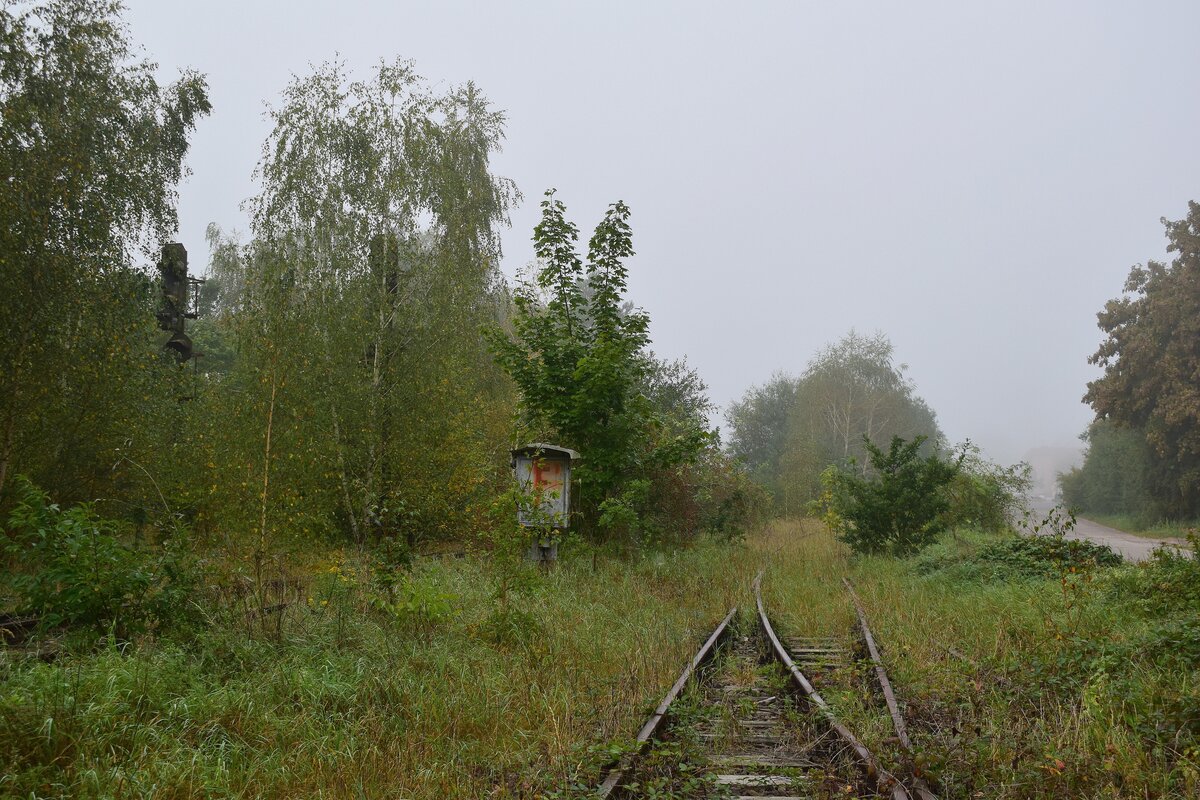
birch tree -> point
(378, 199)
(852, 391)
(92, 149)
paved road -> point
(1134, 548)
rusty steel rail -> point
(650, 729)
(870, 765)
(889, 695)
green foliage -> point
(1045, 552)
(758, 432)
(1151, 361)
(92, 148)
(1168, 643)
(362, 403)
(511, 620)
(73, 570)
(620, 511)
(693, 485)
(1166, 584)
(512, 625)
(985, 495)
(1007, 690)
(350, 701)
(578, 355)
(1025, 557)
(671, 769)
(575, 357)
(899, 507)
(390, 560)
(416, 604)
(791, 429)
(1115, 477)
(729, 503)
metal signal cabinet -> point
(544, 470)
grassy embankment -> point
(1084, 684)
(1077, 685)
(455, 699)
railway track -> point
(755, 724)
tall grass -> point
(349, 701)
(1057, 695)
(1083, 688)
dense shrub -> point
(1170, 643)
(1025, 557)
(985, 495)
(72, 569)
(1047, 556)
(731, 502)
(1169, 582)
(899, 507)
(711, 496)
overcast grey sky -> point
(973, 179)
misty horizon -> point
(973, 183)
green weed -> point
(1020, 558)
(348, 699)
(73, 569)
(1014, 682)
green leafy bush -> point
(729, 500)
(1160, 709)
(1025, 557)
(898, 507)
(1046, 556)
(417, 604)
(1170, 643)
(1169, 582)
(985, 495)
(73, 570)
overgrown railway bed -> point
(746, 720)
